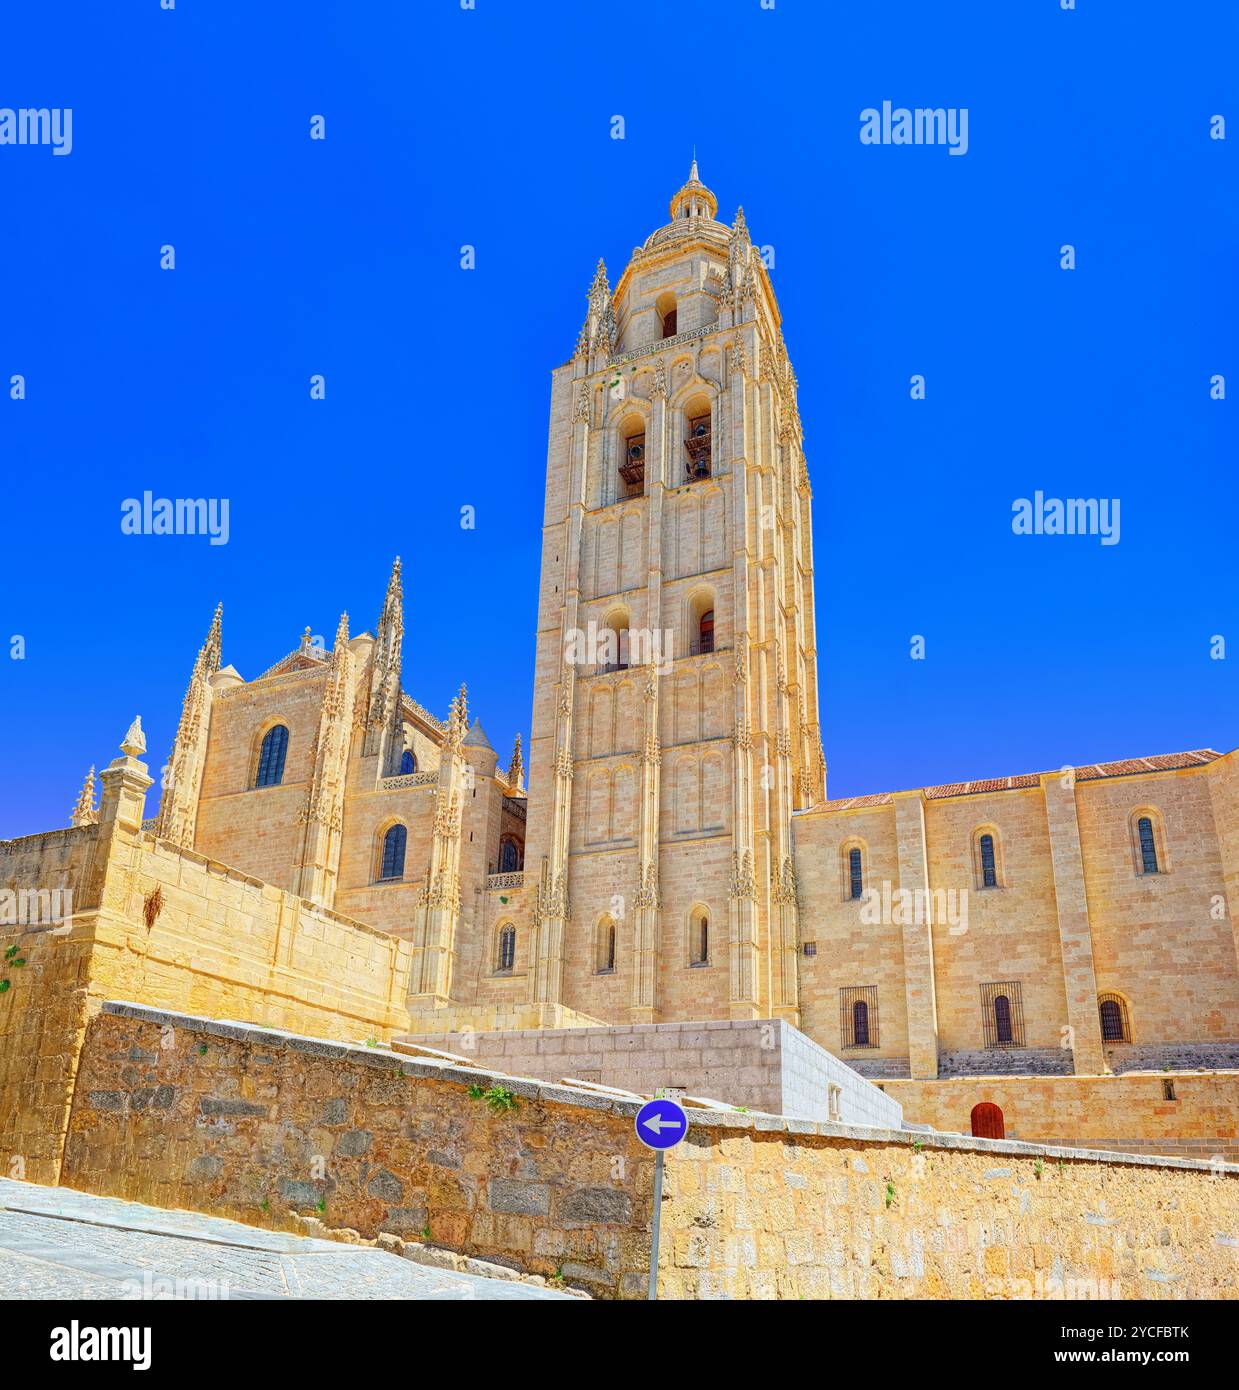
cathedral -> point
(1060, 946)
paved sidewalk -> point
(58, 1243)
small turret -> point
(694, 199)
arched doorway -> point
(987, 1121)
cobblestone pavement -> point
(57, 1243)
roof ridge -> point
(1016, 781)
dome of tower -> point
(692, 214)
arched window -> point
(392, 865)
(1148, 845)
(699, 621)
(668, 317)
(987, 1121)
(1002, 1019)
(860, 1024)
(505, 952)
(989, 869)
(271, 757)
(699, 938)
(856, 877)
(632, 466)
(697, 445)
(511, 857)
(605, 951)
(613, 646)
(408, 763)
(1112, 1013)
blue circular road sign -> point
(661, 1124)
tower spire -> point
(212, 647)
(384, 706)
(598, 330)
(516, 768)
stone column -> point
(648, 900)
(438, 913)
(552, 906)
(742, 901)
(918, 938)
(323, 813)
(1075, 935)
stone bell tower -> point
(675, 722)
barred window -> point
(1002, 1014)
(505, 956)
(271, 757)
(393, 852)
(989, 871)
(1112, 1011)
(856, 878)
(408, 763)
(1148, 846)
(858, 1016)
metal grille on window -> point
(1148, 846)
(271, 757)
(1112, 1010)
(1002, 1012)
(856, 879)
(858, 1016)
(989, 874)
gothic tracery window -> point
(408, 763)
(505, 954)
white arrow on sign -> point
(657, 1123)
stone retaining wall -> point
(256, 1125)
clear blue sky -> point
(493, 128)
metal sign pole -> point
(659, 1124)
(658, 1214)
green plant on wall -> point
(12, 961)
(499, 1098)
